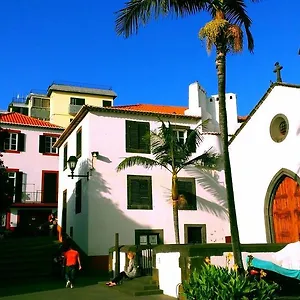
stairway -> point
(26, 258)
(141, 286)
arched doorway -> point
(282, 208)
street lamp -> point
(72, 162)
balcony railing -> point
(42, 113)
(74, 109)
(32, 197)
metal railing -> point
(32, 197)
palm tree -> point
(173, 155)
(223, 32)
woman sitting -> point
(131, 271)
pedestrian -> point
(72, 261)
(131, 271)
(52, 224)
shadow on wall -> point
(209, 181)
(101, 216)
(215, 203)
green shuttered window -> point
(137, 137)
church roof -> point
(15, 118)
(260, 102)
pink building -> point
(32, 163)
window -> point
(78, 197)
(15, 142)
(65, 161)
(106, 103)
(16, 185)
(77, 101)
(137, 137)
(78, 142)
(279, 128)
(180, 135)
(139, 192)
(46, 144)
(194, 233)
(40, 102)
(149, 237)
(187, 188)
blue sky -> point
(75, 41)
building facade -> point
(60, 103)
(32, 165)
(265, 167)
(136, 203)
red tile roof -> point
(178, 110)
(20, 119)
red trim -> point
(51, 154)
(12, 151)
(35, 204)
(43, 183)
(11, 170)
(52, 134)
(228, 239)
(7, 225)
(12, 130)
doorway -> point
(194, 233)
(49, 186)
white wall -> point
(256, 158)
(79, 221)
(108, 211)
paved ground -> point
(87, 289)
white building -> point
(32, 163)
(94, 210)
(265, 161)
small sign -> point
(153, 239)
(143, 240)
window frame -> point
(10, 142)
(194, 191)
(79, 143)
(74, 100)
(135, 126)
(65, 157)
(130, 204)
(203, 232)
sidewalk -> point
(87, 290)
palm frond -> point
(139, 12)
(207, 160)
(236, 13)
(146, 162)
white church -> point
(98, 202)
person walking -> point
(72, 260)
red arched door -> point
(286, 212)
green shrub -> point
(219, 283)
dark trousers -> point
(119, 277)
(70, 273)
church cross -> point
(277, 70)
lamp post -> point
(72, 162)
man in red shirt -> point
(71, 260)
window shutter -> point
(132, 136)
(144, 136)
(78, 197)
(18, 187)
(139, 189)
(42, 143)
(65, 156)
(78, 143)
(21, 142)
(192, 142)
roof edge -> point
(89, 108)
(259, 103)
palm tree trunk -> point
(221, 72)
(175, 207)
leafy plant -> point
(223, 283)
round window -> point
(279, 128)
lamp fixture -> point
(72, 162)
